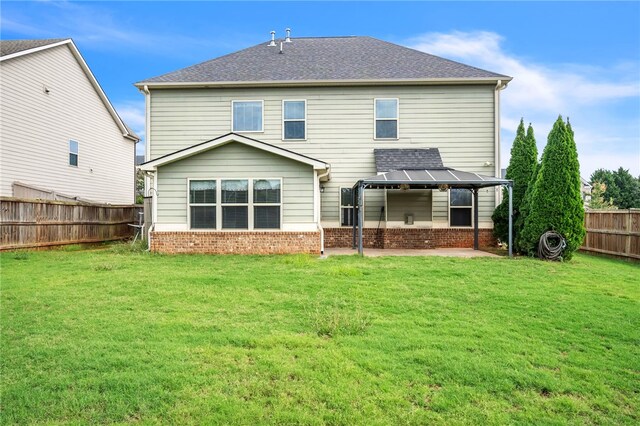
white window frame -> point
(449, 207)
(250, 204)
(233, 102)
(341, 206)
(254, 204)
(189, 204)
(284, 120)
(77, 153)
(247, 204)
(376, 119)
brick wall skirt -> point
(245, 242)
(410, 238)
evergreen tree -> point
(525, 209)
(524, 155)
(556, 200)
(622, 189)
(629, 189)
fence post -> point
(627, 241)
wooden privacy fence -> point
(614, 232)
(28, 223)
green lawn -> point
(114, 336)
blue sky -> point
(578, 59)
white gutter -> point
(318, 213)
(350, 82)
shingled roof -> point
(8, 47)
(388, 160)
(325, 59)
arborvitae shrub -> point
(524, 157)
(556, 200)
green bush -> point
(556, 200)
(522, 164)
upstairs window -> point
(73, 153)
(386, 113)
(294, 117)
(247, 116)
(202, 204)
(460, 207)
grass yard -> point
(128, 337)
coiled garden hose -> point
(551, 246)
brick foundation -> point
(221, 242)
(410, 238)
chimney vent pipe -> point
(288, 38)
(273, 39)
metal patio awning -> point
(441, 178)
(431, 179)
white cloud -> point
(540, 92)
(102, 29)
(133, 114)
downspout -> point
(147, 127)
(147, 157)
(154, 209)
(496, 161)
(319, 207)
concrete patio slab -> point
(449, 252)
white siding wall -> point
(459, 120)
(35, 129)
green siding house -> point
(259, 151)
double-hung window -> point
(460, 207)
(294, 120)
(346, 207)
(386, 118)
(73, 153)
(235, 203)
(247, 116)
(266, 203)
(202, 204)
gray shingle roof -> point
(8, 47)
(325, 59)
(407, 159)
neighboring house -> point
(585, 190)
(259, 150)
(59, 134)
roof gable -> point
(331, 59)
(20, 47)
(10, 49)
(230, 138)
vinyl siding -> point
(459, 120)
(415, 202)
(235, 160)
(35, 129)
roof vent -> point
(273, 39)
(288, 38)
(281, 48)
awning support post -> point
(475, 218)
(360, 217)
(354, 192)
(510, 189)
